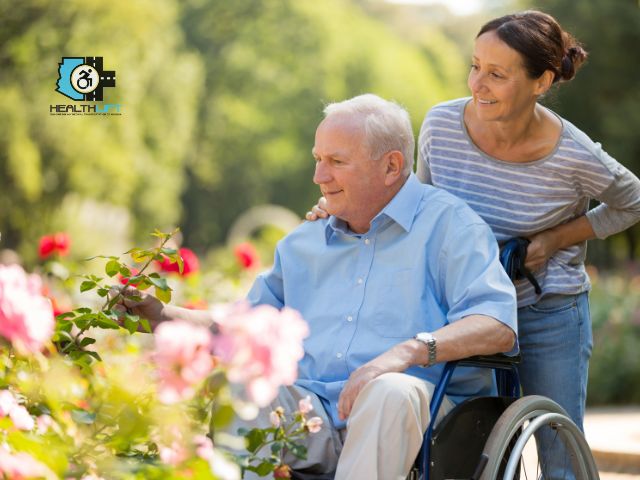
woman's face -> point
(498, 81)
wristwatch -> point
(430, 341)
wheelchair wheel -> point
(510, 451)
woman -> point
(529, 173)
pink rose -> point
(173, 455)
(314, 424)
(20, 465)
(183, 357)
(260, 347)
(44, 422)
(204, 447)
(26, 317)
(274, 418)
(7, 402)
(19, 415)
(21, 418)
(304, 405)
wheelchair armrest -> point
(498, 360)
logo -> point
(83, 78)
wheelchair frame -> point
(505, 444)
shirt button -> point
(360, 281)
(339, 355)
(349, 318)
(367, 241)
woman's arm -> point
(544, 244)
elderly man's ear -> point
(395, 166)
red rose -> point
(62, 242)
(247, 255)
(52, 244)
(190, 261)
(124, 280)
(47, 246)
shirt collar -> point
(401, 209)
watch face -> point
(425, 337)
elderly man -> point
(400, 278)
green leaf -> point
(168, 251)
(125, 271)
(276, 447)
(145, 325)
(160, 283)
(110, 257)
(93, 354)
(105, 322)
(300, 451)
(112, 267)
(138, 255)
(83, 321)
(64, 326)
(87, 341)
(255, 439)
(62, 336)
(143, 284)
(222, 416)
(131, 323)
(163, 295)
(264, 468)
(87, 285)
(62, 316)
(83, 310)
(103, 292)
(82, 416)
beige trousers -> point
(383, 435)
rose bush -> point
(89, 395)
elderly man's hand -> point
(142, 304)
(357, 380)
(397, 359)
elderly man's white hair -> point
(386, 124)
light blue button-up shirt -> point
(428, 260)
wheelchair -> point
(491, 438)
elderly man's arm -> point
(147, 306)
(472, 335)
(479, 299)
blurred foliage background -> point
(220, 100)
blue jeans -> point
(556, 342)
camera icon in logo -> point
(83, 78)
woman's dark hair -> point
(541, 41)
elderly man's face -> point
(352, 182)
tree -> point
(604, 98)
(134, 160)
(270, 67)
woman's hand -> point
(543, 245)
(318, 211)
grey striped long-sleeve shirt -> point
(521, 199)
